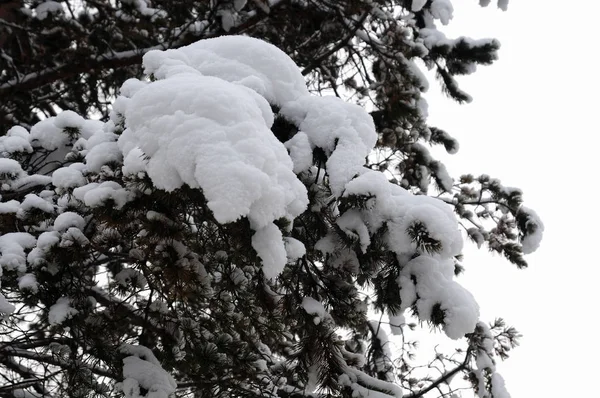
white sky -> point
(530, 125)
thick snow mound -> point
(237, 59)
(205, 122)
(211, 134)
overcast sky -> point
(530, 125)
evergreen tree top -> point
(223, 234)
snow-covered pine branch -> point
(216, 234)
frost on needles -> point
(184, 245)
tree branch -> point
(109, 61)
(337, 47)
(445, 378)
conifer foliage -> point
(224, 230)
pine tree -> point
(76, 55)
(224, 231)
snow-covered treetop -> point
(223, 222)
(370, 52)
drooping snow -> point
(134, 163)
(61, 311)
(503, 5)
(396, 322)
(352, 224)
(417, 5)
(294, 249)
(5, 306)
(140, 373)
(10, 170)
(69, 119)
(300, 151)
(213, 134)
(435, 286)
(359, 380)
(313, 307)
(535, 230)
(47, 7)
(28, 282)
(142, 369)
(268, 243)
(49, 136)
(343, 130)
(23, 393)
(143, 7)
(442, 10)
(50, 238)
(207, 122)
(316, 308)
(400, 210)
(11, 206)
(484, 355)
(139, 351)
